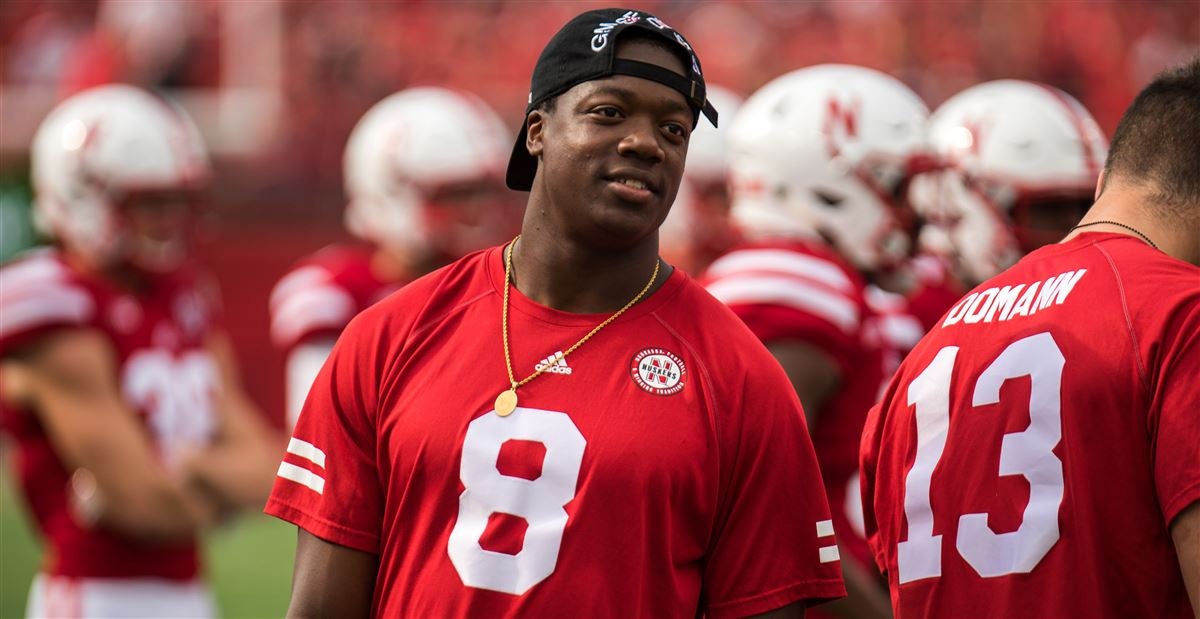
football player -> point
(423, 171)
(132, 432)
(563, 425)
(1020, 161)
(820, 161)
(1038, 453)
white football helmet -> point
(706, 172)
(405, 147)
(828, 151)
(1010, 148)
(708, 146)
(98, 147)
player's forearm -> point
(865, 596)
(238, 476)
(156, 513)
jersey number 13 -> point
(1028, 453)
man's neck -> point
(1131, 207)
(558, 273)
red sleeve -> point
(328, 483)
(1175, 413)
(38, 296)
(773, 543)
(776, 322)
(309, 303)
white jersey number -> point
(540, 502)
(177, 395)
(1028, 453)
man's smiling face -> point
(612, 152)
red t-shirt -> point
(320, 295)
(805, 292)
(166, 375)
(1031, 452)
(662, 469)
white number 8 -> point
(1028, 453)
(540, 502)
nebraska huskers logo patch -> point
(658, 371)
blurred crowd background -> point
(276, 87)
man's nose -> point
(642, 141)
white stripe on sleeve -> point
(302, 476)
(55, 304)
(783, 262)
(306, 450)
(323, 307)
(790, 292)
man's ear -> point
(1100, 185)
(535, 125)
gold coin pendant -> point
(506, 403)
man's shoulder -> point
(40, 291)
(322, 292)
(430, 298)
(1117, 275)
(800, 281)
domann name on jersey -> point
(1005, 303)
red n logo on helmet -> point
(841, 123)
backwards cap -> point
(585, 50)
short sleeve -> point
(773, 323)
(773, 543)
(308, 303)
(328, 483)
(1175, 420)
(38, 295)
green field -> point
(249, 561)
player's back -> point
(1028, 456)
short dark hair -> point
(1157, 143)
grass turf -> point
(249, 561)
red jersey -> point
(1032, 450)
(322, 293)
(167, 377)
(805, 292)
(663, 469)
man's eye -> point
(677, 129)
(607, 112)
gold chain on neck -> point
(506, 402)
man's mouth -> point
(629, 182)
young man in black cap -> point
(565, 425)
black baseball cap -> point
(585, 50)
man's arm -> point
(329, 580)
(1185, 530)
(69, 380)
(815, 378)
(812, 373)
(238, 468)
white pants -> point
(53, 597)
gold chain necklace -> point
(506, 402)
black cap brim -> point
(522, 166)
